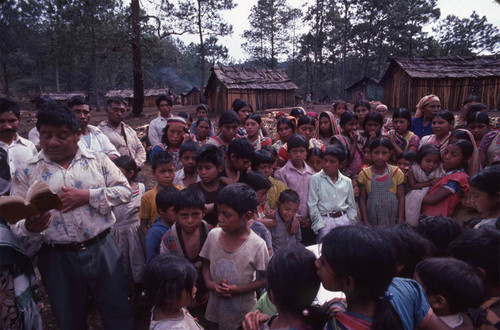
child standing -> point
(296, 174)
(285, 128)
(442, 124)
(485, 193)
(188, 174)
(382, 195)
(444, 196)
(127, 229)
(351, 140)
(315, 159)
(228, 127)
(306, 126)
(169, 282)
(238, 160)
(372, 127)
(262, 161)
(401, 137)
(423, 174)
(233, 255)
(331, 197)
(174, 134)
(287, 206)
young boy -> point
(331, 197)
(188, 174)
(287, 206)
(452, 286)
(155, 129)
(233, 255)
(210, 162)
(202, 111)
(165, 201)
(186, 237)
(228, 127)
(164, 172)
(261, 222)
(263, 162)
(238, 156)
(296, 174)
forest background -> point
(324, 46)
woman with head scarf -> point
(427, 109)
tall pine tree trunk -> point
(5, 79)
(202, 49)
(137, 60)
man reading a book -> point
(77, 255)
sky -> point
(238, 17)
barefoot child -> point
(233, 255)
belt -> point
(337, 214)
(72, 247)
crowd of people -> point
(399, 216)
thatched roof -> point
(60, 97)
(365, 81)
(453, 67)
(241, 78)
(129, 93)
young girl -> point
(127, 229)
(339, 107)
(169, 283)
(444, 196)
(202, 129)
(382, 198)
(285, 128)
(253, 124)
(351, 140)
(478, 124)
(306, 126)
(405, 159)
(442, 125)
(327, 127)
(174, 134)
(423, 174)
(402, 138)
(485, 193)
(474, 162)
(243, 109)
(315, 159)
(372, 127)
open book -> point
(39, 199)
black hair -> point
(257, 181)
(297, 141)
(238, 104)
(128, 164)
(471, 98)
(381, 141)
(261, 157)
(336, 151)
(362, 103)
(459, 134)
(408, 155)
(166, 278)
(210, 154)
(426, 149)
(363, 254)
(455, 280)
(487, 180)
(467, 149)
(203, 119)
(402, 113)
(314, 151)
(289, 195)
(228, 117)
(161, 157)
(115, 100)
(238, 196)
(297, 112)
(339, 102)
(479, 248)
(166, 197)
(78, 100)
(293, 282)
(41, 100)
(440, 231)
(446, 115)
(373, 116)
(240, 148)
(185, 115)
(163, 97)
(202, 106)
(347, 116)
(306, 120)
(189, 199)
(478, 117)
(271, 150)
(287, 121)
(58, 115)
(188, 146)
(409, 248)
(477, 107)
(255, 117)
(8, 105)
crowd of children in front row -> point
(385, 205)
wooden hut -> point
(193, 97)
(150, 95)
(61, 97)
(262, 88)
(407, 80)
(368, 86)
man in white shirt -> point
(91, 136)
(19, 150)
(121, 135)
(164, 105)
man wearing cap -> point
(121, 135)
(77, 257)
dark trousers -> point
(71, 276)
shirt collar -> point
(306, 169)
(80, 153)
